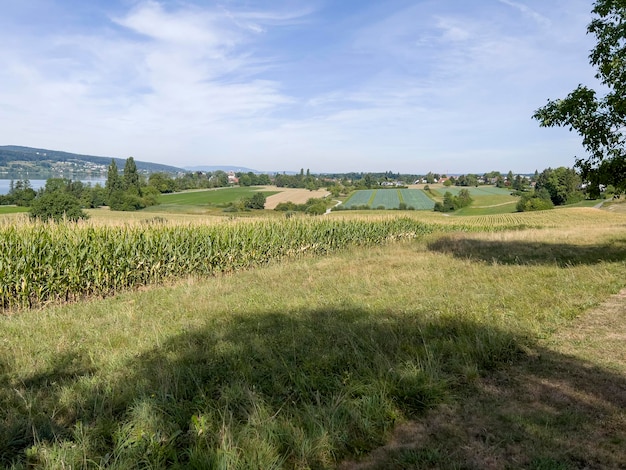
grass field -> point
(474, 191)
(199, 201)
(12, 210)
(461, 339)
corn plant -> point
(42, 263)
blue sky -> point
(447, 86)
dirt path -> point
(562, 407)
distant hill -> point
(236, 169)
(19, 162)
(226, 168)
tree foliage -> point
(129, 192)
(451, 203)
(256, 201)
(57, 201)
(599, 120)
(536, 201)
(562, 184)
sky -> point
(409, 86)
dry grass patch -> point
(295, 195)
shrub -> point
(57, 206)
(534, 202)
(256, 201)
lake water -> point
(5, 185)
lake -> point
(5, 185)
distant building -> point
(232, 179)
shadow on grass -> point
(529, 253)
(545, 412)
(274, 390)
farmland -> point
(203, 201)
(12, 209)
(390, 199)
(295, 195)
(40, 262)
(305, 343)
(474, 191)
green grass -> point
(12, 209)
(226, 372)
(201, 200)
(474, 191)
(499, 208)
(584, 203)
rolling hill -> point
(19, 162)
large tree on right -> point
(599, 120)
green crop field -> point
(417, 199)
(12, 209)
(390, 199)
(386, 198)
(202, 199)
(359, 198)
(474, 191)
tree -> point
(21, 193)
(561, 184)
(56, 202)
(131, 177)
(600, 121)
(163, 182)
(536, 201)
(256, 201)
(113, 182)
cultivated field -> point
(457, 337)
(474, 191)
(295, 195)
(390, 199)
(206, 201)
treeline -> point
(126, 190)
(557, 187)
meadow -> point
(203, 201)
(12, 210)
(310, 342)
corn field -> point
(41, 263)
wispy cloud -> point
(529, 12)
(374, 85)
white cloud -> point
(529, 12)
(402, 89)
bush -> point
(256, 201)
(125, 201)
(314, 206)
(57, 206)
(451, 203)
(285, 206)
(316, 209)
(534, 202)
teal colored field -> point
(417, 199)
(390, 199)
(359, 198)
